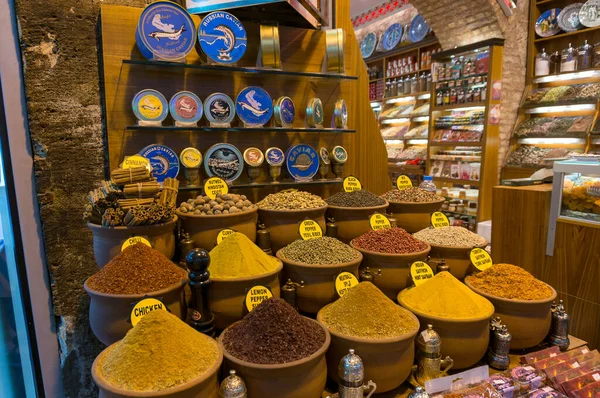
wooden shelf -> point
(403, 49)
(544, 2)
(267, 184)
(463, 158)
(407, 95)
(376, 80)
(459, 106)
(456, 181)
(455, 213)
(239, 129)
(454, 143)
(565, 34)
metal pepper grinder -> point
(499, 346)
(393, 221)
(233, 387)
(559, 329)
(331, 228)
(351, 372)
(289, 292)
(186, 245)
(263, 239)
(366, 275)
(430, 364)
(418, 393)
(202, 318)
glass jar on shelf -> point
(585, 56)
(388, 88)
(542, 63)
(568, 59)
(428, 83)
(422, 82)
(406, 88)
(414, 85)
(393, 91)
(555, 62)
(439, 99)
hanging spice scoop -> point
(430, 364)
(289, 292)
(202, 318)
(499, 345)
(351, 372)
(233, 386)
(559, 329)
(366, 275)
(263, 239)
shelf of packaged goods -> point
(375, 80)
(565, 34)
(456, 181)
(458, 107)
(267, 184)
(454, 213)
(568, 76)
(461, 78)
(579, 139)
(456, 157)
(457, 127)
(239, 129)
(420, 70)
(415, 95)
(229, 70)
(408, 169)
(455, 198)
(454, 143)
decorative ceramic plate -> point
(164, 161)
(589, 14)
(222, 37)
(302, 161)
(547, 24)
(418, 29)
(392, 36)
(219, 108)
(185, 107)
(254, 106)
(368, 45)
(568, 19)
(150, 106)
(224, 161)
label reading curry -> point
(133, 240)
(379, 221)
(310, 229)
(480, 259)
(144, 307)
(345, 281)
(256, 295)
(439, 220)
(214, 186)
(420, 272)
(352, 184)
(224, 234)
(403, 182)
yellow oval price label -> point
(310, 229)
(144, 307)
(352, 184)
(403, 182)
(420, 272)
(223, 234)
(480, 259)
(256, 295)
(133, 240)
(439, 219)
(214, 186)
(136, 161)
(345, 281)
(379, 221)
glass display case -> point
(575, 195)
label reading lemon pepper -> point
(352, 184)
(256, 295)
(480, 259)
(133, 240)
(403, 182)
(144, 307)
(224, 234)
(420, 272)
(439, 219)
(151, 106)
(310, 229)
(379, 221)
(344, 281)
(214, 186)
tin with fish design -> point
(222, 37)
(284, 111)
(185, 108)
(164, 161)
(302, 162)
(219, 110)
(254, 106)
(150, 107)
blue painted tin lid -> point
(186, 107)
(165, 31)
(222, 37)
(302, 161)
(150, 106)
(285, 111)
(254, 105)
(219, 108)
(314, 112)
(224, 161)
(164, 161)
(275, 156)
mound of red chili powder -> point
(389, 240)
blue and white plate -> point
(392, 36)
(254, 106)
(164, 161)
(302, 162)
(224, 161)
(275, 156)
(219, 108)
(368, 45)
(185, 107)
(547, 24)
(568, 19)
(418, 29)
(222, 37)
(165, 31)
(589, 15)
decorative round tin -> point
(324, 155)
(254, 106)
(392, 36)
(150, 106)
(368, 45)
(164, 161)
(589, 15)
(165, 31)
(219, 108)
(335, 41)
(284, 112)
(185, 107)
(568, 19)
(222, 37)
(275, 156)
(191, 158)
(339, 155)
(418, 29)
(254, 157)
(302, 161)
(340, 114)
(314, 112)
(224, 161)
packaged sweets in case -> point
(484, 390)
(527, 378)
(589, 391)
(503, 384)
(587, 357)
(593, 364)
(580, 382)
(557, 380)
(539, 355)
(545, 392)
(562, 367)
(548, 362)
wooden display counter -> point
(519, 227)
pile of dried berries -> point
(412, 194)
(389, 240)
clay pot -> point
(319, 281)
(204, 386)
(413, 216)
(456, 257)
(353, 221)
(388, 362)
(528, 320)
(109, 312)
(395, 269)
(227, 295)
(283, 224)
(464, 340)
(108, 240)
(203, 230)
(304, 378)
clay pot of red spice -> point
(108, 240)
(319, 281)
(203, 230)
(456, 257)
(353, 221)
(413, 216)
(283, 224)
(388, 362)
(109, 313)
(528, 321)
(204, 386)
(304, 378)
